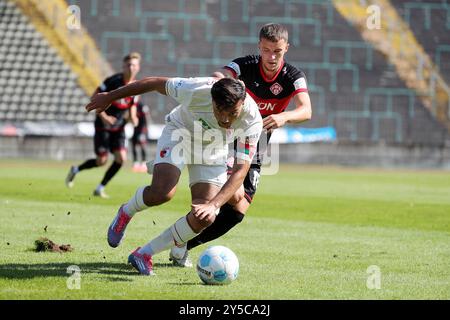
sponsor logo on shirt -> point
(267, 106)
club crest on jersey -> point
(276, 88)
(163, 152)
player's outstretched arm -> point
(302, 112)
(101, 101)
(107, 119)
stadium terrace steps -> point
(396, 41)
(348, 78)
(35, 83)
(430, 23)
(352, 86)
(64, 32)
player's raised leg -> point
(101, 145)
(179, 233)
(231, 214)
(162, 189)
(88, 164)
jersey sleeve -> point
(299, 82)
(247, 139)
(185, 90)
(103, 87)
(180, 89)
(106, 85)
(247, 143)
(237, 66)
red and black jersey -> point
(271, 95)
(118, 108)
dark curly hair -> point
(227, 92)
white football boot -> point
(180, 256)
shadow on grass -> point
(113, 270)
(165, 265)
(29, 271)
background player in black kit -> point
(139, 138)
(110, 126)
(272, 83)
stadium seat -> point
(336, 59)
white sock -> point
(177, 234)
(162, 242)
(136, 203)
(182, 231)
(75, 170)
(100, 188)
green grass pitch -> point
(312, 233)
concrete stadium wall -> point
(51, 148)
(375, 155)
(363, 155)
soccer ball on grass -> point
(217, 265)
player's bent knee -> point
(158, 195)
(230, 215)
(162, 198)
(101, 161)
(237, 197)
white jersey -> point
(195, 113)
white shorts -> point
(206, 173)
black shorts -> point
(252, 178)
(111, 141)
(251, 181)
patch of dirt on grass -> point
(45, 244)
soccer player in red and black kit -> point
(139, 138)
(272, 83)
(110, 126)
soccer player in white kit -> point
(211, 113)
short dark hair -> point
(132, 55)
(273, 32)
(227, 92)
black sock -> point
(227, 218)
(115, 166)
(143, 153)
(134, 152)
(88, 164)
